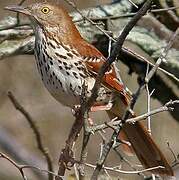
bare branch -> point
(166, 107)
(66, 160)
(36, 131)
(133, 3)
(128, 14)
(116, 169)
(162, 57)
(22, 167)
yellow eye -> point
(45, 10)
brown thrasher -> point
(65, 61)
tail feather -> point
(146, 149)
(143, 145)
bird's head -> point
(52, 18)
(44, 14)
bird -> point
(66, 61)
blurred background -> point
(19, 75)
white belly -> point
(62, 84)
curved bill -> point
(18, 9)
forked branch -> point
(36, 131)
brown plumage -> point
(65, 61)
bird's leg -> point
(119, 142)
(94, 108)
(75, 110)
(105, 107)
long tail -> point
(143, 145)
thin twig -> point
(131, 106)
(162, 57)
(128, 162)
(148, 103)
(127, 15)
(36, 131)
(22, 167)
(166, 107)
(17, 23)
(116, 169)
(116, 50)
(141, 58)
(135, 5)
(18, 15)
(173, 154)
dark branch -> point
(36, 131)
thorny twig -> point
(100, 75)
(116, 50)
(36, 131)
